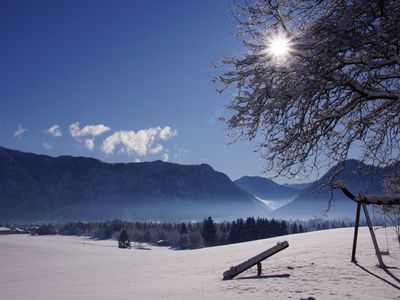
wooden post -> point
(356, 225)
(371, 231)
(259, 269)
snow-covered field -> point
(316, 264)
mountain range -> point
(314, 200)
(39, 187)
(65, 188)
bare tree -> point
(334, 86)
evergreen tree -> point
(294, 228)
(273, 228)
(265, 228)
(240, 228)
(209, 232)
(283, 229)
(184, 241)
(232, 236)
(123, 240)
(183, 229)
(250, 231)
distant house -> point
(5, 230)
(163, 243)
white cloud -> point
(139, 143)
(54, 131)
(136, 160)
(131, 141)
(89, 144)
(165, 157)
(180, 155)
(48, 146)
(20, 130)
(166, 133)
(89, 130)
(157, 149)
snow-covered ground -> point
(316, 264)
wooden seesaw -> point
(256, 260)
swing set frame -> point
(362, 202)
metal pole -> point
(356, 225)
(371, 231)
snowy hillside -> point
(316, 264)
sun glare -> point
(279, 47)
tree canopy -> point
(336, 86)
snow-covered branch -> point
(339, 85)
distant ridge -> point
(313, 200)
(39, 187)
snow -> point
(316, 264)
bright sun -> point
(279, 47)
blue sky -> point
(121, 81)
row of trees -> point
(188, 235)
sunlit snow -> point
(316, 264)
